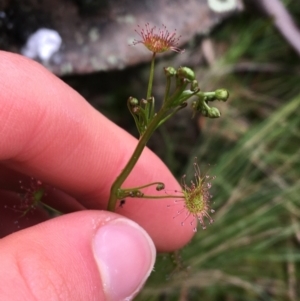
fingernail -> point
(125, 255)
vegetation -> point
(251, 251)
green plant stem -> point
(141, 187)
(162, 197)
(167, 91)
(150, 83)
(141, 144)
(51, 208)
(134, 158)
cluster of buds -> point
(186, 87)
(201, 104)
(185, 77)
(142, 112)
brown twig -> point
(283, 21)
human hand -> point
(49, 132)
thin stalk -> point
(161, 196)
(150, 85)
(167, 91)
(170, 115)
(141, 187)
(50, 208)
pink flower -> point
(158, 41)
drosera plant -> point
(196, 198)
(32, 196)
(181, 87)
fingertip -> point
(65, 143)
(89, 255)
(125, 255)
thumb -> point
(87, 255)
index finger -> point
(49, 131)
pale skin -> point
(48, 131)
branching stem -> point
(134, 158)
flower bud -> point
(136, 110)
(160, 186)
(133, 101)
(185, 72)
(144, 101)
(194, 86)
(222, 94)
(213, 113)
(170, 71)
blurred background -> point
(251, 251)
